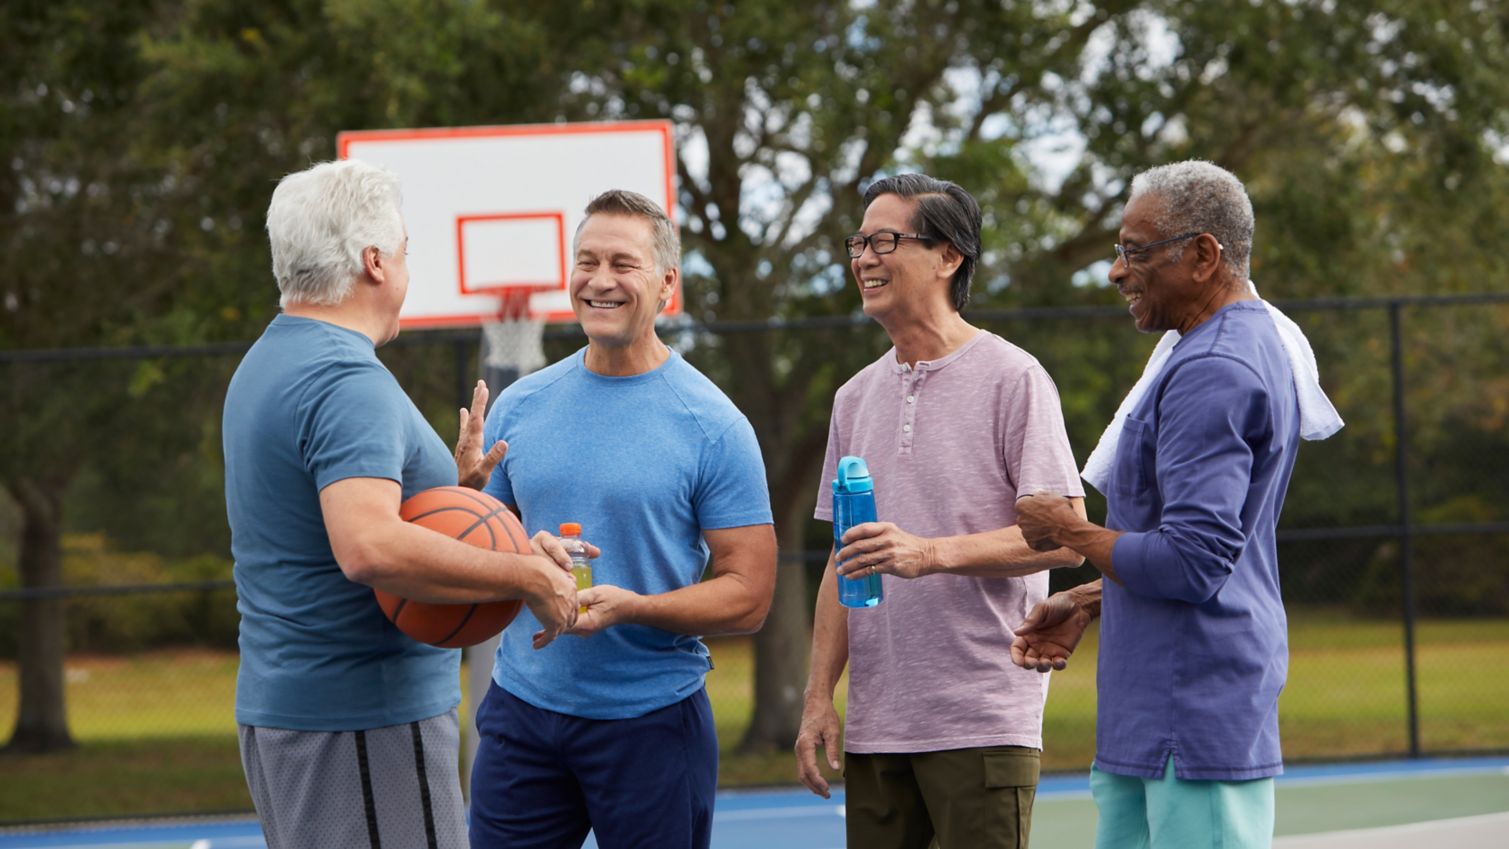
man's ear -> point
(372, 264)
(1207, 257)
(668, 283)
(951, 259)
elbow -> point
(361, 563)
(1205, 587)
(1066, 558)
(751, 618)
(1202, 581)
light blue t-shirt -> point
(311, 405)
(645, 464)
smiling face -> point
(907, 279)
(616, 290)
(1161, 294)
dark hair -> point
(944, 212)
(666, 241)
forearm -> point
(1000, 553)
(725, 604)
(830, 639)
(1087, 597)
(1093, 542)
(421, 565)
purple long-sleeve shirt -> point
(1193, 644)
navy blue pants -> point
(542, 779)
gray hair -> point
(666, 242)
(945, 212)
(1201, 197)
(320, 221)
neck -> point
(626, 360)
(1223, 294)
(930, 339)
(347, 315)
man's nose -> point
(1117, 272)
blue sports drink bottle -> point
(854, 504)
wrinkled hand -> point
(606, 605)
(881, 547)
(1040, 516)
(473, 466)
(820, 728)
(1050, 633)
(551, 596)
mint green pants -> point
(1171, 813)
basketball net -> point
(512, 343)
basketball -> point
(472, 517)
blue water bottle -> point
(854, 504)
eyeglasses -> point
(1126, 254)
(883, 242)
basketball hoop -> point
(513, 342)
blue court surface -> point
(1461, 803)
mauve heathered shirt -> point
(950, 444)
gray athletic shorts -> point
(397, 787)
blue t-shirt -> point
(310, 405)
(645, 464)
(1193, 642)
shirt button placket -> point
(909, 410)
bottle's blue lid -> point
(853, 476)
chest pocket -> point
(1132, 480)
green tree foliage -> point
(145, 141)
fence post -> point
(464, 381)
(1406, 526)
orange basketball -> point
(470, 516)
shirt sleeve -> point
(1210, 413)
(731, 490)
(824, 509)
(498, 484)
(1036, 449)
(353, 428)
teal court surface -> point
(1446, 804)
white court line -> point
(1397, 775)
(1483, 831)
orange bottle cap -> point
(571, 529)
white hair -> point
(320, 221)
(1201, 197)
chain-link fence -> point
(1391, 543)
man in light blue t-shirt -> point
(348, 729)
(610, 729)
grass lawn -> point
(156, 734)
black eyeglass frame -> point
(1126, 254)
(891, 237)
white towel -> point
(1318, 419)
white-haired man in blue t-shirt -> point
(348, 729)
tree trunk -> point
(41, 721)
(782, 646)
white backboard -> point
(492, 210)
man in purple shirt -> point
(1193, 645)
